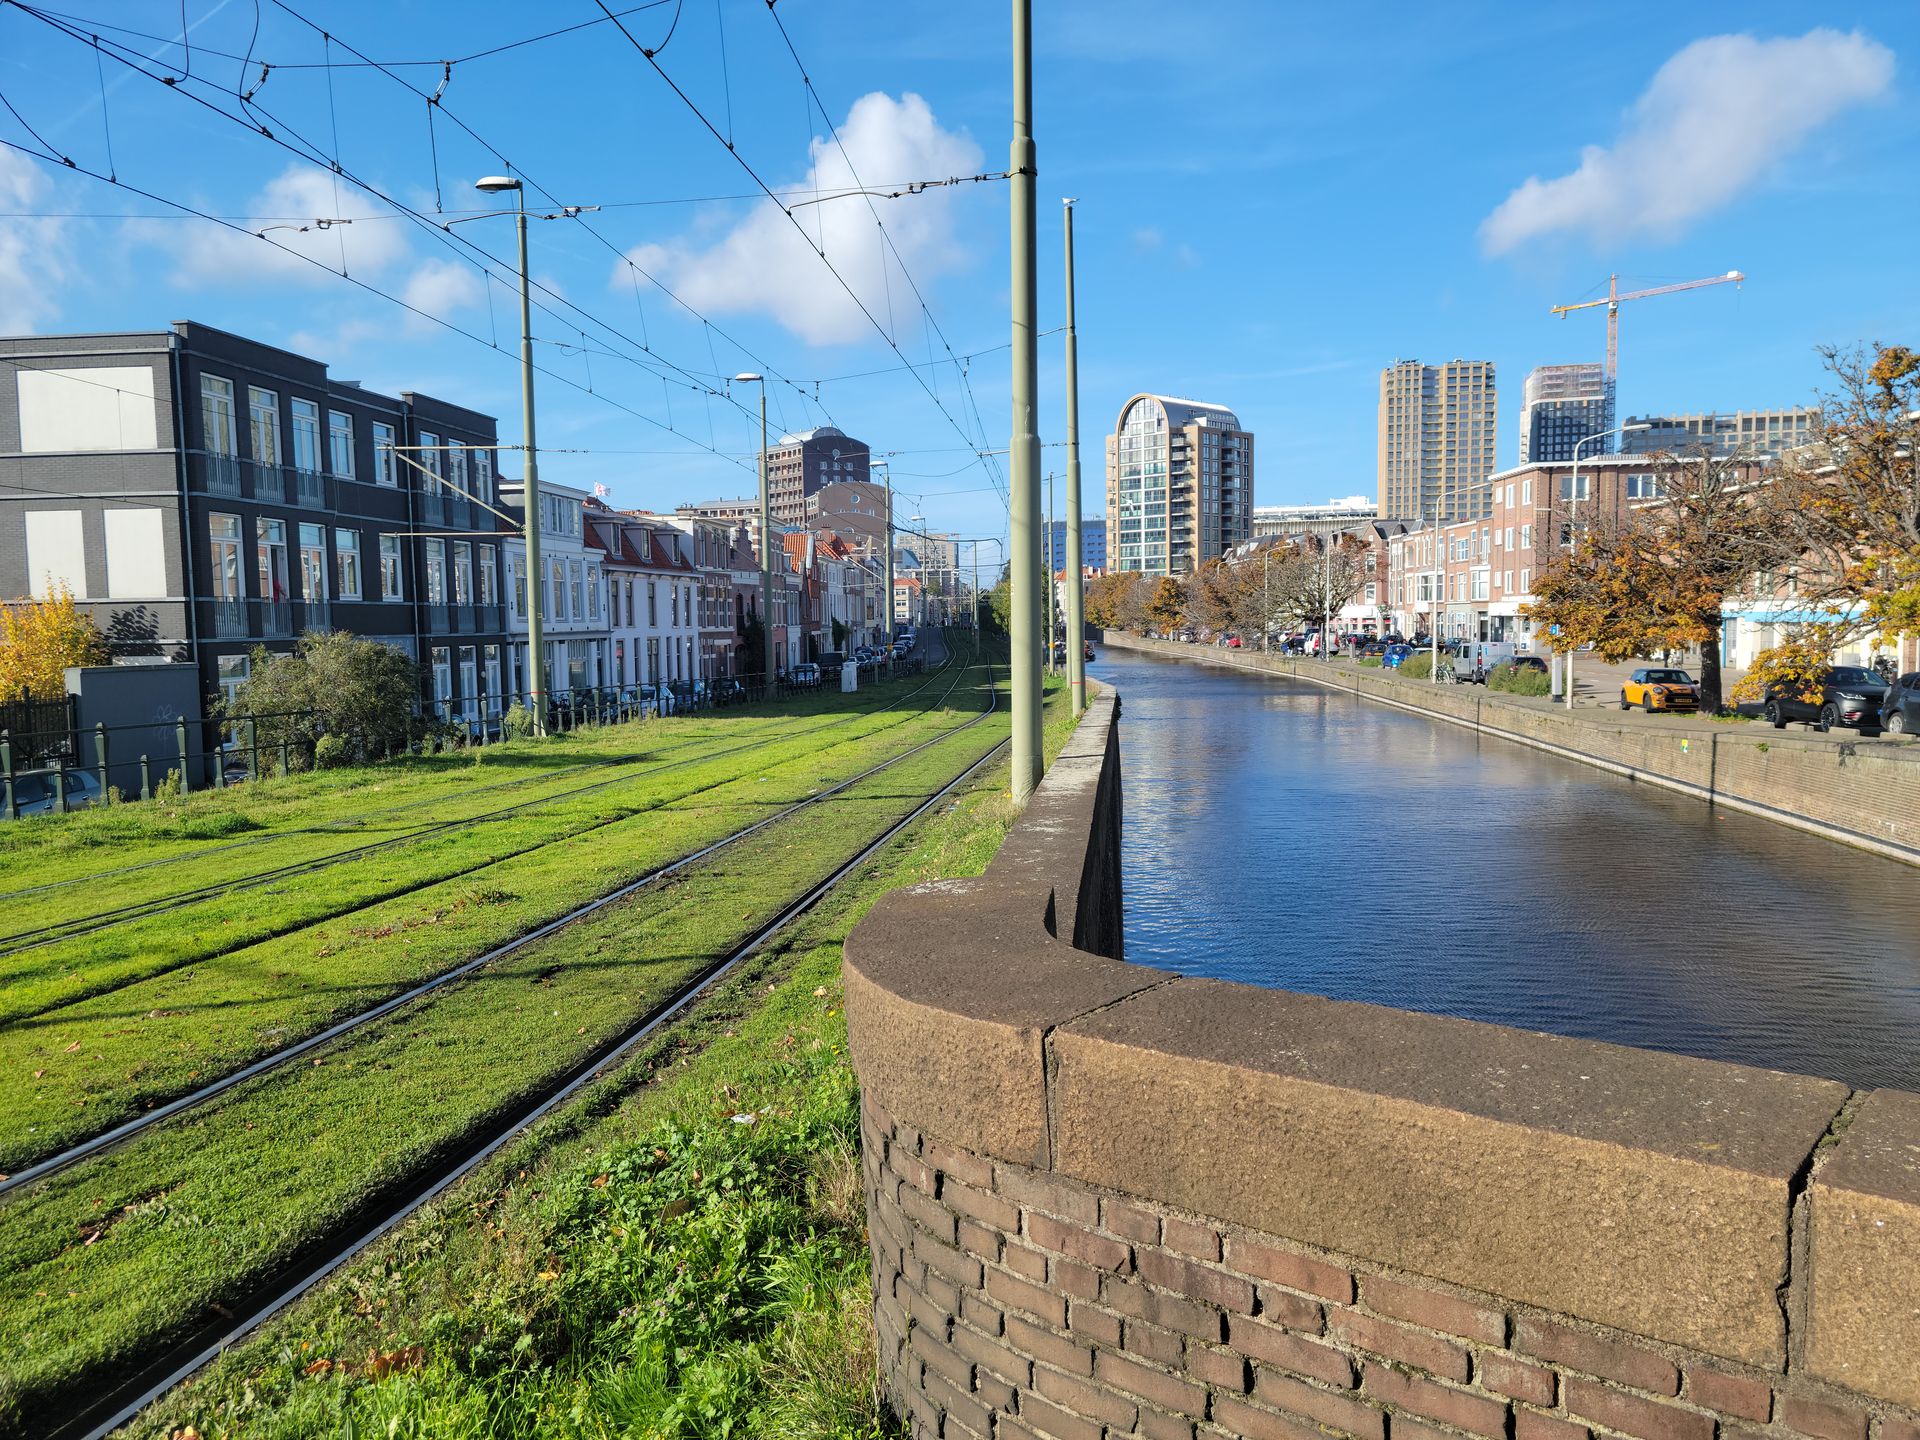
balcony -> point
(265, 482)
(272, 619)
(316, 615)
(217, 474)
(228, 619)
(310, 488)
(438, 620)
(432, 511)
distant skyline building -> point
(1179, 484)
(1437, 428)
(1561, 405)
(799, 464)
(1758, 434)
(1312, 519)
(1093, 544)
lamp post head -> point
(747, 375)
(492, 184)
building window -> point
(234, 670)
(488, 594)
(430, 458)
(573, 575)
(442, 679)
(436, 551)
(346, 560)
(493, 679)
(270, 538)
(313, 562)
(457, 465)
(340, 443)
(306, 436)
(383, 461)
(390, 568)
(483, 475)
(593, 592)
(462, 573)
(1526, 492)
(559, 573)
(223, 534)
(263, 409)
(217, 435)
(514, 592)
(1526, 537)
(653, 605)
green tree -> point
(1165, 604)
(334, 683)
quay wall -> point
(1106, 1201)
(1860, 792)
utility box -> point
(849, 677)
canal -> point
(1282, 835)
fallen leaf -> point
(318, 1367)
(545, 1275)
(73, 1047)
(676, 1207)
(600, 1182)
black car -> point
(1849, 695)
(1900, 711)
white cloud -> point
(30, 250)
(441, 287)
(207, 255)
(763, 264)
(1147, 238)
(1714, 118)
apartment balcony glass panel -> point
(438, 620)
(432, 511)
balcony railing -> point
(266, 482)
(272, 619)
(432, 512)
(316, 615)
(229, 619)
(311, 488)
(218, 474)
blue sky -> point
(1275, 201)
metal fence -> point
(48, 764)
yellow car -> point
(1654, 689)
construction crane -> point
(1612, 302)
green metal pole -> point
(887, 581)
(1076, 552)
(766, 548)
(1046, 578)
(530, 491)
(1024, 445)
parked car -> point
(1849, 695)
(1530, 662)
(1653, 688)
(806, 675)
(1393, 655)
(1473, 660)
(1900, 712)
(33, 792)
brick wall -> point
(1012, 1302)
(1111, 1201)
(1858, 791)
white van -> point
(1474, 660)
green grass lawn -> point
(218, 1002)
(102, 1261)
(642, 1263)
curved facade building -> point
(1179, 485)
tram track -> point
(96, 1411)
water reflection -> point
(1282, 835)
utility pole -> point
(1024, 443)
(888, 540)
(1076, 552)
(766, 540)
(1046, 580)
(530, 485)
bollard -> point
(146, 779)
(286, 755)
(100, 756)
(6, 773)
(253, 748)
(60, 785)
(180, 739)
(220, 766)
(12, 810)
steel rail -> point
(194, 1099)
(52, 933)
(102, 1416)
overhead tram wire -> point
(443, 234)
(378, 293)
(926, 311)
(772, 371)
(754, 174)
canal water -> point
(1280, 834)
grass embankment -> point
(104, 1261)
(642, 1263)
(51, 849)
(585, 780)
(76, 1069)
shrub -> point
(331, 752)
(517, 723)
(1417, 666)
(1519, 680)
(366, 690)
(1373, 660)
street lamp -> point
(530, 485)
(1573, 499)
(766, 536)
(887, 542)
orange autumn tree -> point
(1657, 577)
(39, 639)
